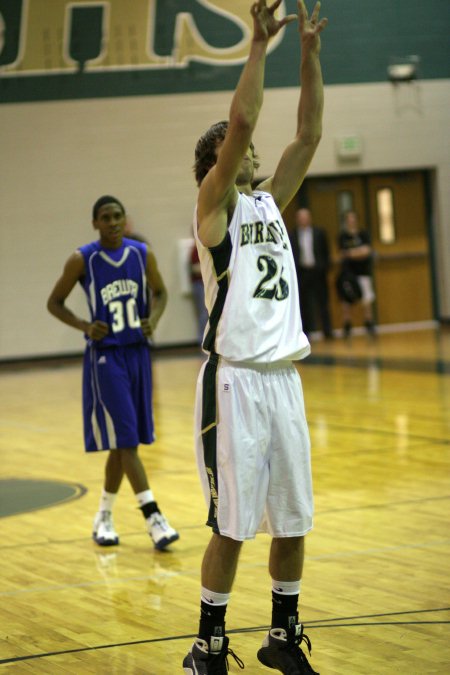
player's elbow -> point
(160, 294)
(53, 305)
(243, 122)
(310, 135)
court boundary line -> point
(317, 624)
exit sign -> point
(349, 147)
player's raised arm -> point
(297, 156)
(218, 189)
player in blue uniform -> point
(117, 275)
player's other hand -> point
(310, 27)
(97, 330)
(147, 326)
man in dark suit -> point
(312, 260)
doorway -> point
(393, 208)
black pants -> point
(313, 287)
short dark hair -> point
(205, 150)
(106, 199)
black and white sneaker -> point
(160, 531)
(212, 659)
(282, 651)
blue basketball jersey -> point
(115, 285)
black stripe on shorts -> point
(209, 436)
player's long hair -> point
(205, 150)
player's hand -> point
(265, 25)
(310, 27)
(97, 330)
(148, 326)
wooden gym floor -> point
(376, 588)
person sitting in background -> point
(312, 262)
(356, 256)
(131, 234)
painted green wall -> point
(360, 40)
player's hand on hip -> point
(98, 330)
(147, 326)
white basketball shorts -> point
(368, 294)
(253, 449)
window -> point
(385, 216)
(345, 203)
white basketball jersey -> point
(251, 290)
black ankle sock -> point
(284, 611)
(212, 621)
(149, 508)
